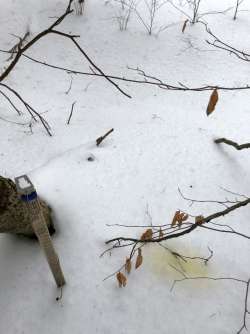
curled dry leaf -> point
(179, 218)
(212, 102)
(147, 235)
(139, 259)
(184, 26)
(122, 280)
(128, 265)
(199, 220)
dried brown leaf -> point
(212, 102)
(122, 280)
(128, 265)
(199, 220)
(184, 26)
(139, 259)
(184, 217)
(147, 235)
(175, 218)
(179, 218)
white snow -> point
(162, 140)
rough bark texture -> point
(14, 216)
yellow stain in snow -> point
(162, 263)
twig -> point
(70, 86)
(71, 112)
(246, 311)
(191, 200)
(100, 139)
(232, 143)
(219, 44)
(43, 33)
(153, 82)
(178, 270)
(11, 103)
(238, 2)
(231, 231)
(18, 45)
(22, 49)
(238, 280)
(185, 258)
(29, 108)
(191, 227)
(73, 39)
(207, 278)
(12, 122)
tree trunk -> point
(14, 215)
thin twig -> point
(70, 86)
(100, 139)
(153, 82)
(237, 280)
(29, 108)
(11, 103)
(71, 112)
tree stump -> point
(14, 215)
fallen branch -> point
(100, 139)
(232, 143)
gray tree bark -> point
(14, 215)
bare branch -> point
(148, 80)
(24, 48)
(191, 227)
(219, 44)
(232, 143)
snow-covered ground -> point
(162, 140)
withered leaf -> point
(175, 218)
(184, 26)
(128, 265)
(199, 220)
(179, 218)
(147, 235)
(122, 280)
(212, 102)
(139, 259)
